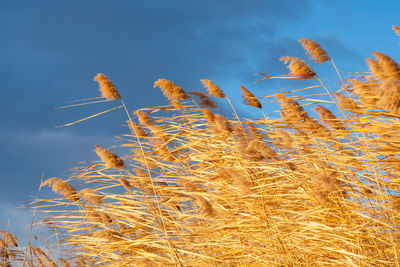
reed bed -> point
(197, 188)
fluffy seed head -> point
(325, 183)
(107, 235)
(213, 89)
(107, 88)
(298, 68)
(205, 207)
(249, 98)
(390, 69)
(239, 180)
(91, 197)
(209, 115)
(314, 127)
(292, 109)
(162, 150)
(144, 118)
(254, 131)
(281, 137)
(329, 118)
(110, 159)
(222, 123)
(375, 68)
(170, 89)
(389, 95)
(204, 99)
(365, 91)
(347, 103)
(92, 215)
(125, 183)
(316, 52)
(62, 187)
(256, 146)
(136, 129)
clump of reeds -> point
(199, 188)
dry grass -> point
(198, 189)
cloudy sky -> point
(51, 50)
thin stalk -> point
(153, 186)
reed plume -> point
(107, 235)
(260, 148)
(176, 104)
(254, 131)
(346, 103)
(213, 89)
(329, 118)
(107, 88)
(109, 158)
(249, 98)
(170, 89)
(375, 68)
(292, 109)
(62, 187)
(281, 137)
(205, 207)
(209, 115)
(202, 189)
(222, 124)
(298, 68)
(136, 129)
(388, 68)
(91, 197)
(366, 91)
(316, 52)
(144, 118)
(204, 100)
(389, 95)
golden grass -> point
(196, 188)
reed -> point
(197, 188)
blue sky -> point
(51, 50)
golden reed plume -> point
(298, 68)
(110, 159)
(62, 187)
(384, 67)
(213, 89)
(316, 52)
(107, 88)
(170, 90)
(249, 98)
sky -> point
(51, 50)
